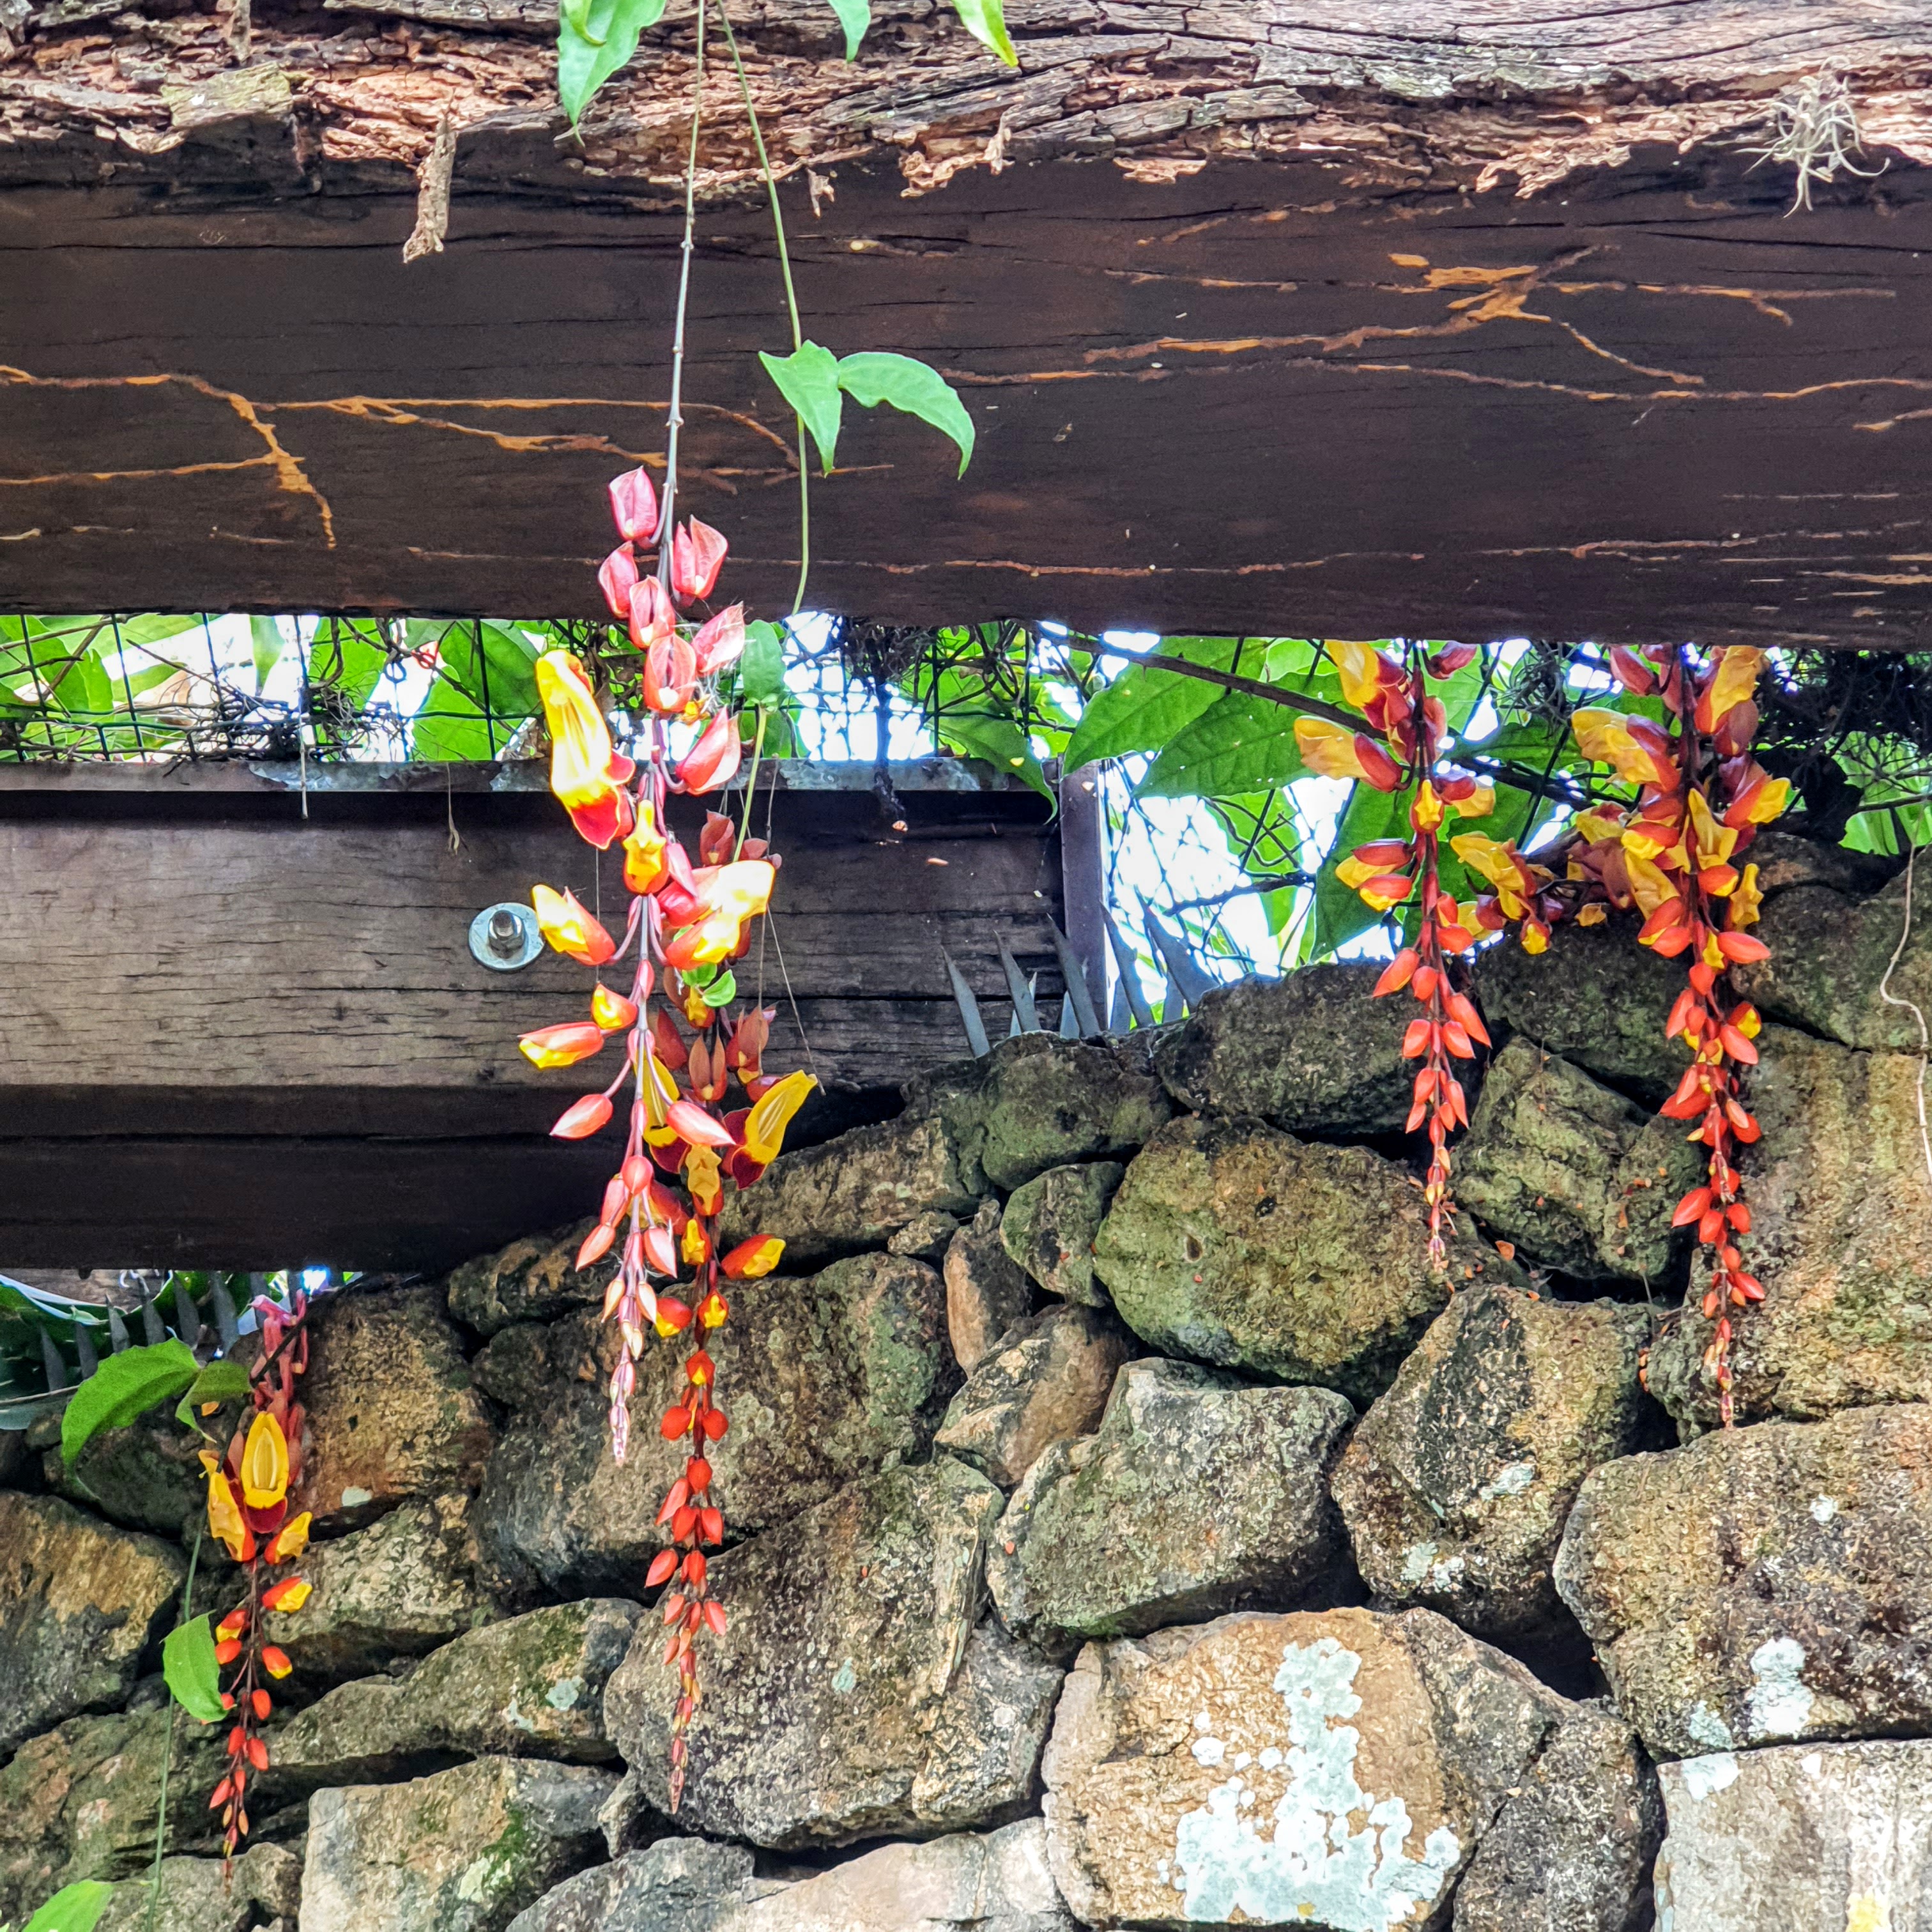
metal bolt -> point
(505, 936)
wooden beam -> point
(1416, 324)
(221, 1022)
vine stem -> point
(669, 511)
(168, 1755)
(791, 303)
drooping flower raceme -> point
(689, 924)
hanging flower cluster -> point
(1410, 727)
(248, 1514)
(689, 922)
(1674, 854)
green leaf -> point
(124, 1386)
(855, 17)
(875, 376)
(220, 1382)
(1238, 744)
(809, 379)
(1143, 708)
(155, 628)
(761, 670)
(722, 990)
(188, 1664)
(998, 740)
(266, 634)
(593, 42)
(985, 20)
(74, 1908)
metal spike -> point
(1013, 1027)
(1173, 1001)
(1130, 974)
(1069, 1020)
(1120, 1016)
(83, 1347)
(226, 1325)
(1086, 1019)
(1024, 1012)
(117, 1331)
(151, 1323)
(50, 1359)
(969, 1009)
(188, 1316)
(1180, 962)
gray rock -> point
(1241, 1246)
(1829, 951)
(531, 1686)
(677, 1885)
(1572, 1848)
(79, 1603)
(925, 1237)
(857, 1192)
(145, 1476)
(1196, 1774)
(80, 1802)
(997, 1883)
(204, 1895)
(534, 1279)
(1048, 1378)
(1314, 1052)
(391, 1411)
(407, 1583)
(1456, 1486)
(1579, 1178)
(982, 1765)
(985, 1292)
(1763, 1584)
(629, 1821)
(1195, 1495)
(848, 1628)
(1841, 1238)
(1049, 1226)
(1794, 1840)
(464, 1851)
(1045, 1102)
(1595, 996)
(824, 1380)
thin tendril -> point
(791, 306)
(676, 419)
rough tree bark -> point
(1420, 316)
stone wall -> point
(1129, 1529)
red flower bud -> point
(650, 612)
(697, 555)
(617, 575)
(633, 505)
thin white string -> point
(1892, 999)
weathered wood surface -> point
(1462, 321)
(212, 1018)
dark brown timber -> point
(221, 1023)
(1406, 316)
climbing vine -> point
(676, 669)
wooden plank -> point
(232, 1036)
(277, 1201)
(323, 964)
(1416, 323)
